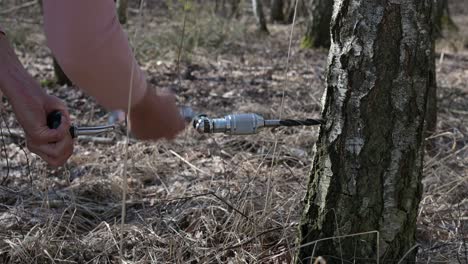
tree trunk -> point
(234, 8)
(290, 11)
(441, 22)
(301, 10)
(367, 172)
(431, 109)
(442, 19)
(277, 14)
(60, 76)
(220, 8)
(122, 6)
(260, 16)
(318, 27)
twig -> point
(206, 194)
(180, 198)
(127, 143)
(4, 148)
(343, 236)
(459, 112)
(18, 7)
(97, 140)
(188, 163)
(15, 133)
(253, 238)
(19, 133)
(28, 166)
(231, 206)
(463, 238)
(408, 252)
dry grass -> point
(203, 199)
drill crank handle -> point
(54, 119)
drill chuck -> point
(235, 124)
(241, 124)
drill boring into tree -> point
(367, 172)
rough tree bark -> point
(260, 16)
(276, 11)
(367, 171)
(318, 26)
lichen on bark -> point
(367, 174)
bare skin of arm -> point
(31, 105)
(93, 50)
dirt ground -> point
(208, 198)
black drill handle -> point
(54, 119)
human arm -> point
(31, 105)
(87, 40)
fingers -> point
(45, 135)
(42, 134)
(54, 146)
(55, 104)
(55, 154)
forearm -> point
(15, 81)
(88, 42)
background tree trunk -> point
(318, 26)
(259, 15)
(234, 8)
(367, 171)
(220, 8)
(442, 18)
(122, 7)
(431, 109)
(441, 21)
(276, 13)
(301, 10)
(60, 76)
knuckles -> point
(56, 156)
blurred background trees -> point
(260, 15)
(442, 19)
(122, 9)
(442, 22)
(60, 77)
(277, 11)
(318, 24)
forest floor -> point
(208, 198)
